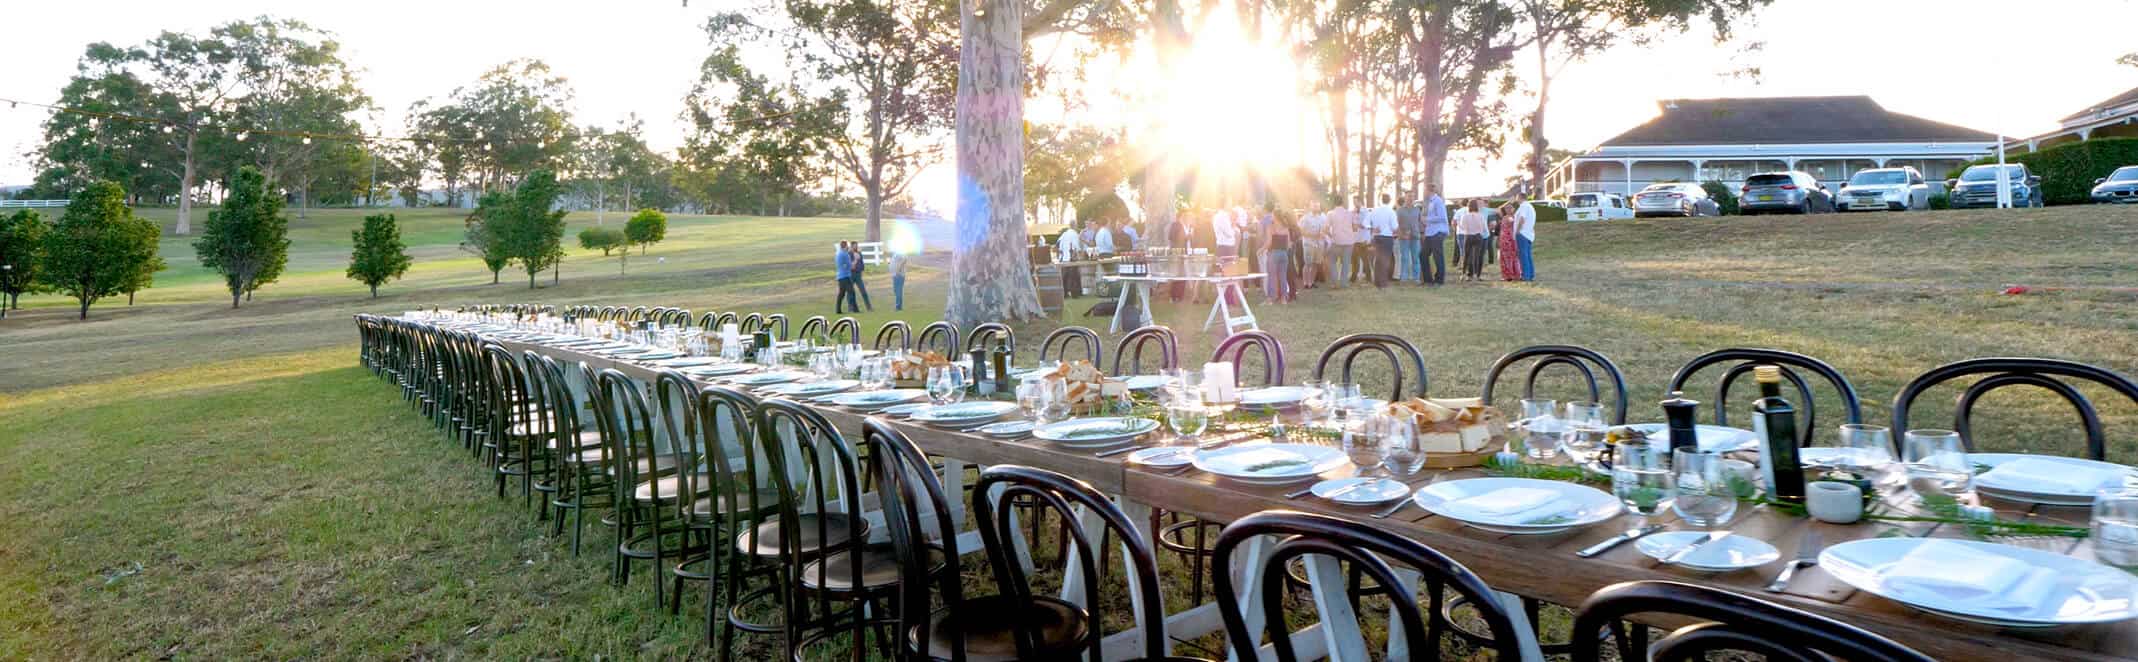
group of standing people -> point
(1095, 239)
(851, 266)
(1512, 237)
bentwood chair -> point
(731, 494)
(709, 322)
(987, 336)
(2000, 372)
(916, 519)
(1132, 345)
(1060, 341)
(646, 482)
(1736, 625)
(779, 321)
(1276, 537)
(1401, 354)
(939, 336)
(1742, 360)
(847, 327)
(1234, 349)
(725, 319)
(815, 326)
(1587, 362)
(751, 323)
(581, 471)
(893, 328)
(521, 428)
(828, 578)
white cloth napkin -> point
(1964, 573)
(1509, 505)
(2046, 476)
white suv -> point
(1884, 189)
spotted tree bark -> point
(991, 275)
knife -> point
(1807, 554)
(1687, 550)
(1616, 540)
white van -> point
(1597, 207)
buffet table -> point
(1140, 286)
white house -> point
(2115, 117)
(1727, 140)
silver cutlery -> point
(1807, 554)
(1391, 510)
(1617, 540)
(1689, 548)
(1295, 494)
(1131, 448)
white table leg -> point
(1220, 310)
(1339, 624)
(1073, 578)
(1398, 641)
(1120, 303)
(1139, 515)
(1143, 312)
(1250, 583)
(1246, 313)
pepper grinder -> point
(1680, 412)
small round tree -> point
(22, 237)
(377, 254)
(99, 248)
(647, 227)
(247, 241)
(606, 240)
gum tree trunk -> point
(185, 192)
(990, 271)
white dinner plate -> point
(1094, 432)
(1569, 506)
(873, 400)
(1007, 429)
(1270, 464)
(1356, 491)
(1163, 457)
(1989, 483)
(1712, 437)
(964, 413)
(767, 378)
(1145, 382)
(1273, 395)
(1733, 552)
(812, 389)
(904, 410)
(688, 362)
(2073, 590)
(721, 370)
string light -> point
(97, 119)
(242, 135)
(307, 140)
(166, 128)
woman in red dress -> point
(1510, 256)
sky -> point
(1933, 58)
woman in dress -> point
(1510, 253)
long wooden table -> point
(1543, 567)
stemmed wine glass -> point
(946, 384)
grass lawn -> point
(180, 479)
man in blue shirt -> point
(1436, 230)
(845, 300)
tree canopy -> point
(647, 227)
(247, 240)
(99, 248)
(377, 254)
(523, 226)
(22, 237)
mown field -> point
(179, 479)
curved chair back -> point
(778, 321)
(911, 496)
(726, 318)
(1132, 345)
(987, 335)
(626, 435)
(893, 328)
(640, 313)
(1737, 623)
(1747, 358)
(1002, 485)
(1234, 348)
(815, 326)
(750, 324)
(729, 421)
(707, 323)
(1583, 360)
(1399, 352)
(1056, 346)
(939, 336)
(2017, 371)
(1370, 551)
(814, 470)
(847, 327)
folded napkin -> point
(2046, 476)
(1965, 573)
(1512, 505)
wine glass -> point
(1582, 431)
(1705, 497)
(1641, 478)
(1402, 450)
(946, 384)
(1867, 451)
(1937, 466)
(1054, 399)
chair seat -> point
(987, 626)
(764, 540)
(879, 569)
(668, 486)
(730, 504)
(587, 439)
(658, 464)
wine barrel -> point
(1049, 283)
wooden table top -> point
(1545, 566)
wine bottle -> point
(1779, 462)
(1680, 412)
(979, 368)
(1002, 368)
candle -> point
(1218, 384)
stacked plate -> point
(1518, 505)
(2049, 480)
(1985, 582)
(1713, 438)
(767, 378)
(813, 389)
(720, 370)
(687, 362)
(964, 413)
(1727, 554)
(876, 400)
(1358, 491)
(1273, 395)
(1095, 432)
(1270, 464)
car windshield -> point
(1878, 178)
(1768, 180)
(1989, 173)
(1590, 200)
(2124, 174)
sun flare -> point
(1231, 108)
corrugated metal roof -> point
(1786, 121)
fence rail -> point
(21, 204)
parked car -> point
(1597, 207)
(1674, 199)
(1884, 189)
(1977, 186)
(1793, 191)
(2120, 186)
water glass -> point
(1181, 384)
(946, 384)
(1540, 428)
(1056, 405)
(1582, 431)
(1937, 466)
(1641, 478)
(1314, 400)
(2115, 527)
(1402, 450)
(1188, 418)
(1867, 451)
(1705, 496)
(1032, 397)
(1362, 442)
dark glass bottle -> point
(1681, 412)
(1779, 462)
(1002, 368)
(979, 368)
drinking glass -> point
(1582, 431)
(2115, 527)
(1181, 384)
(1188, 418)
(1402, 450)
(1866, 450)
(1936, 465)
(1640, 477)
(1540, 428)
(946, 384)
(1362, 442)
(1705, 497)
(1031, 398)
(1314, 400)
(1055, 399)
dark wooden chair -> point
(1583, 360)
(778, 321)
(827, 576)
(1234, 349)
(1401, 354)
(988, 335)
(1058, 343)
(848, 328)
(750, 324)
(647, 484)
(1130, 350)
(815, 326)
(941, 337)
(897, 328)
(2000, 372)
(709, 322)
(1737, 624)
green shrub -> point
(1724, 197)
(2068, 171)
(1940, 201)
(601, 239)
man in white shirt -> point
(1382, 221)
(1102, 239)
(1525, 228)
(1343, 234)
(1226, 227)
(1070, 245)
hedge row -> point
(2068, 171)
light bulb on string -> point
(242, 135)
(166, 128)
(307, 140)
